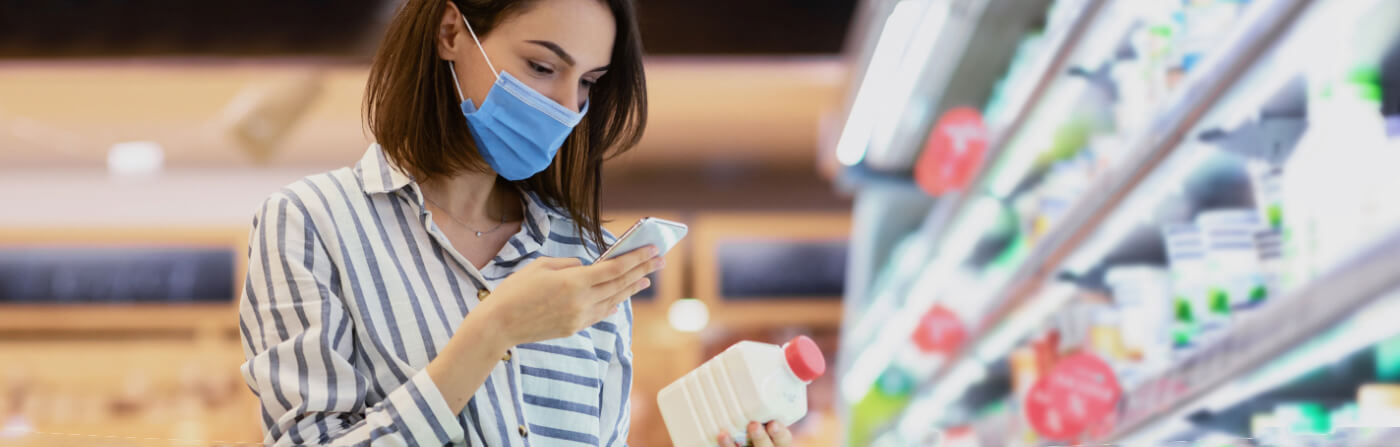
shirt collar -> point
(378, 174)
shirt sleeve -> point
(616, 412)
(297, 341)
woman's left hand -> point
(774, 434)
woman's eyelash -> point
(540, 68)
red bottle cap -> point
(804, 358)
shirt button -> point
(482, 294)
(523, 431)
(506, 358)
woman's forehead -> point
(583, 28)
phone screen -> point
(661, 233)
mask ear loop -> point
(453, 67)
(480, 48)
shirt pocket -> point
(570, 369)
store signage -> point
(940, 331)
(953, 153)
(1080, 393)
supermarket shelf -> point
(150, 318)
(1013, 298)
(960, 48)
(937, 225)
(1257, 340)
(1064, 42)
(1381, 438)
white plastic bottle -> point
(749, 381)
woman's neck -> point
(473, 197)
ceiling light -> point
(688, 315)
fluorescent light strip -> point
(874, 89)
(902, 88)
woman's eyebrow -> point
(558, 51)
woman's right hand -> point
(557, 297)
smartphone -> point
(661, 233)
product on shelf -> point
(1202, 24)
(1232, 258)
(1190, 285)
(1388, 360)
(1267, 183)
(1378, 405)
(1142, 294)
(1269, 242)
(1325, 183)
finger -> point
(726, 441)
(782, 437)
(558, 263)
(629, 280)
(758, 437)
(608, 307)
(609, 270)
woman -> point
(436, 292)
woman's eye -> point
(540, 69)
(587, 84)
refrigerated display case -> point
(1182, 214)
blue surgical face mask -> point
(516, 129)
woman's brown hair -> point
(413, 110)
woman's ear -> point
(450, 29)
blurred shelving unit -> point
(1244, 102)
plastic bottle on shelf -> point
(1378, 404)
(1142, 294)
(1266, 182)
(1186, 256)
(1360, 137)
(1269, 243)
(1325, 184)
(1386, 210)
(1232, 258)
(749, 381)
(1305, 418)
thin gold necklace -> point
(464, 224)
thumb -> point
(558, 263)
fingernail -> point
(659, 263)
(654, 251)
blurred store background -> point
(137, 138)
(1007, 222)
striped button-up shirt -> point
(352, 290)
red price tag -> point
(1081, 392)
(940, 330)
(1047, 418)
(953, 153)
